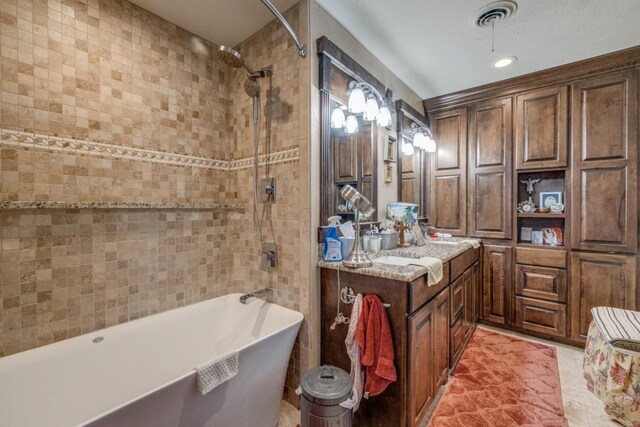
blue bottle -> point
(332, 243)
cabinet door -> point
(345, 157)
(496, 283)
(541, 282)
(441, 339)
(604, 212)
(541, 128)
(367, 161)
(448, 204)
(541, 316)
(468, 303)
(421, 370)
(457, 299)
(490, 169)
(477, 291)
(600, 280)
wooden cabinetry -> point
(345, 157)
(421, 363)
(496, 283)
(490, 169)
(440, 339)
(600, 280)
(412, 169)
(605, 145)
(448, 202)
(419, 317)
(541, 128)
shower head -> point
(232, 58)
(252, 87)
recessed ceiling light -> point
(504, 62)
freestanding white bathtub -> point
(142, 372)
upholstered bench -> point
(612, 362)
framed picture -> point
(537, 237)
(388, 174)
(390, 150)
(548, 198)
(525, 234)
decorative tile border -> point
(118, 205)
(267, 159)
(15, 138)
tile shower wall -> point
(284, 127)
(101, 101)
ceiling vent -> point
(494, 13)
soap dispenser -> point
(332, 243)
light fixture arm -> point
(415, 128)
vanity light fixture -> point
(337, 118)
(505, 62)
(407, 147)
(422, 138)
(384, 116)
(374, 107)
(371, 109)
(351, 125)
(357, 102)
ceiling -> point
(433, 46)
(219, 21)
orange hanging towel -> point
(376, 346)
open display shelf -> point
(529, 224)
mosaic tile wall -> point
(284, 126)
(69, 272)
(103, 103)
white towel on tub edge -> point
(217, 371)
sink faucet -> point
(257, 294)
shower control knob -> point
(268, 186)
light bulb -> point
(407, 148)
(384, 117)
(371, 109)
(420, 140)
(430, 145)
(337, 118)
(505, 62)
(356, 101)
(351, 125)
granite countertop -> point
(408, 273)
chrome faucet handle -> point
(256, 294)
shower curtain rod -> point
(302, 49)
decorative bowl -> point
(544, 210)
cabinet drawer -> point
(541, 316)
(463, 261)
(542, 257)
(420, 292)
(457, 299)
(541, 282)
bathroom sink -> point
(392, 260)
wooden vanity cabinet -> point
(420, 320)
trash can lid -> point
(326, 385)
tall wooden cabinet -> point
(605, 163)
(448, 202)
(575, 129)
(490, 169)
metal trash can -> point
(323, 389)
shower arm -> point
(302, 49)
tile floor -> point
(582, 408)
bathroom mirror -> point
(413, 164)
(353, 148)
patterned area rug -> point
(502, 381)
